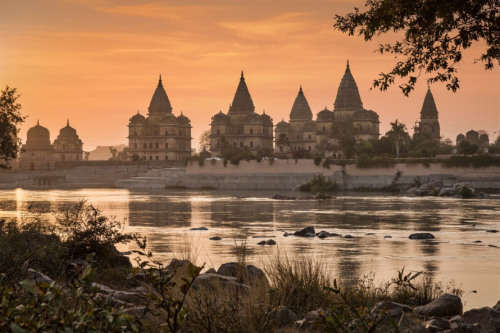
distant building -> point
(68, 146)
(37, 153)
(481, 140)
(241, 126)
(303, 133)
(161, 135)
(429, 122)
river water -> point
(247, 217)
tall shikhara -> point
(241, 127)
(429, 122)
(161, 136)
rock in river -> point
(422, 235)
(303, 232)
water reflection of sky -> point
(166, 218)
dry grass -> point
(298, 284)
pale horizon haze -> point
(97, 62)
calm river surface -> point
(166, 217)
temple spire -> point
(242, 101)
(348, 94)
(160, 104)
(429, 109)
(300, 109)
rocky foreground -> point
(250, 284)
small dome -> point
(266, 119)
(283, 126)
(183, 119)
(460, 137)
(68, 132)
(253, 118)
(137, 118)
(220, 118)
(325, 115)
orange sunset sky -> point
(97, 62)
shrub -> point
(30, 244)
(326, 163)
(84, 230)
(30, 307)
(317, 160)
(319, 183)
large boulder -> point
(487, 318)
(421, 235)
(215, 284)
(444, 305)
(250, 275)
(305, 231)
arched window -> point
(218, 132)
(144, 145)
(135, 145)
(309, 148)
(166, 145)
(150, 158)
(309, 137)
(166, 157)
(251, 144)
(251, 130)
(324, 128)
(156, 158)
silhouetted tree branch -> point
(435, 34)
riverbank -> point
(289, 174)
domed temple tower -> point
(161, 136)
(429, 123)
(37, 153)
(241, 126)
(348, 107)
(68, 146)
(300, 132)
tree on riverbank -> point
(10, 119)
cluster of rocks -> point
(444, 314)
(310, 232)
(438, 188)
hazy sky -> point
(97, 62)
